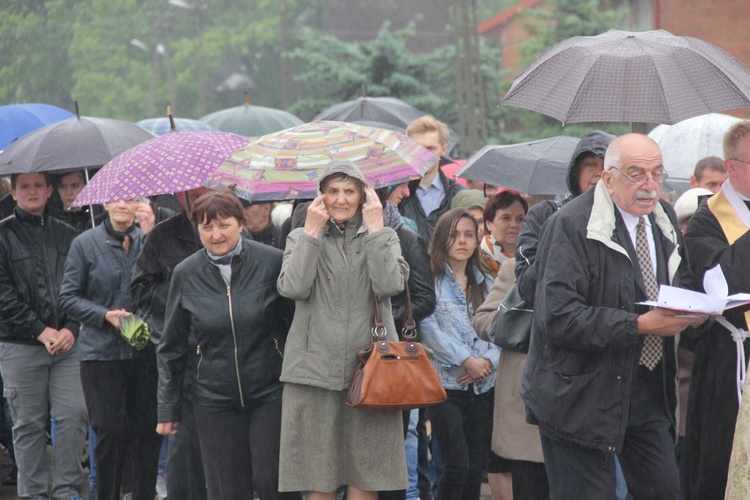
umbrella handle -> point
(86, 174)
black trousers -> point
(240, 449)
(463, 426)
(529, 480)
(647, 458)
(121, 401)
(185, 478)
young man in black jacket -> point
(38, 344)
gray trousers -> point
(34, 383)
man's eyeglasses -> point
(741, 161)
(640, 179)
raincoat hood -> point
(342, 166)
(594, 141)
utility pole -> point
(472, 119)
(286, 72)
(198, 8)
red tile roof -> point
(505, 16)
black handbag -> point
(511, 327)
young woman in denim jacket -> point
(466, 364)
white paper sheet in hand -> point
(714, 302)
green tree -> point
(332, 71)
(34, 36)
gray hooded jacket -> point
(332, 279)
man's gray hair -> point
(612, 155)
(614, 151)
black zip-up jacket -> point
(239, 329)
(33, 250)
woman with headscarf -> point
(334, 268)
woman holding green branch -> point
(119, 381)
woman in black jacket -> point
(225, 297)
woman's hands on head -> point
(372, 211)
(317, 217)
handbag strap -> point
(409, 331)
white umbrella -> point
(686, 142)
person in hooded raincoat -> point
(332, 268)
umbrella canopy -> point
(17, 120)
(624, 76)
(71, 144)
(251, 121)
(286, 164)
(161, 126)
(171, 163)
(389, 110)
(684, 143)
(536, 167)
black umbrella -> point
(625, 76)
(71, 144)
(387, 110)
(536, 167)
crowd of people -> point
(254, 325)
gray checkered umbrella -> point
(623, 76)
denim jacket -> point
(448, 332)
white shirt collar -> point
(631, 221)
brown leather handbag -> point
(395, 375)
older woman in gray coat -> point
(332, 268)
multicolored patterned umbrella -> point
(286, 164)
(172, 163)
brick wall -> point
(724, 23)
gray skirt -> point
(326, 444)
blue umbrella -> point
(17, 120)
(161, 126)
